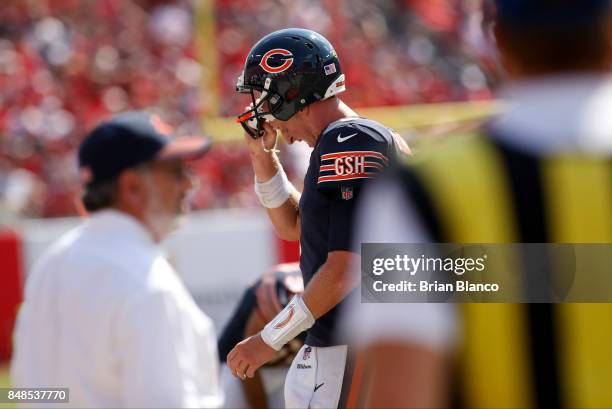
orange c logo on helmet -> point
(276, 51)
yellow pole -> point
(207, 51)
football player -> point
(293, 77)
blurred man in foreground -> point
(105, 314)
(293, 77)
(539, 173)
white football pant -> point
(315, 377)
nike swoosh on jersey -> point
(341, 139)
(318, 386)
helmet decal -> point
(276, 51)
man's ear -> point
(608, 28)
(490, 31)
(132, 191)
(497, 36)
(506, 59)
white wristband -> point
(288, 324)
(274, 192)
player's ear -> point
(305, 112)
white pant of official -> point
(315, 377)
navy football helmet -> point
(286, 71)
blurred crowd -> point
(65, 64)
(393, 52)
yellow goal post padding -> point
(404, 119)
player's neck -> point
(331, 110)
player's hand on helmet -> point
(248, 356)
(263, 144)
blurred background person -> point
(105, 314)
(541, 172)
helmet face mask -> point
(291, 69)
(260, 109)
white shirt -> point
(106, 316)
(544, 116)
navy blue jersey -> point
(347, 154)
